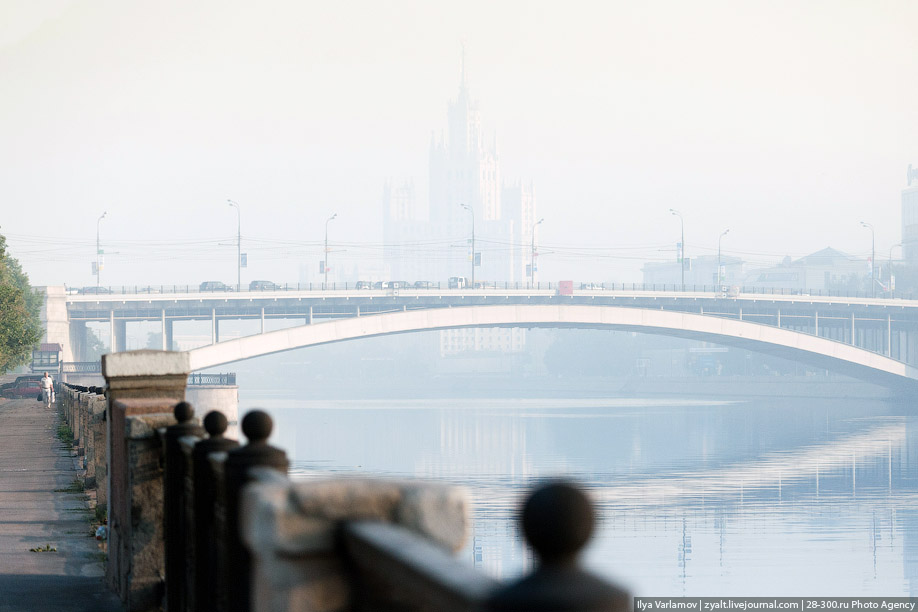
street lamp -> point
(325, 267)
(890, 287)
(724, 233)
(238, 244)
(681, 244)
(99, 251)
(532, 253)
(873, 266)
(472, 212)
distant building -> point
(699, 272)
(433, 242)
(825, 270)
(910, 218)
(466, 190)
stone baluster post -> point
(174, 505)
(256, 426)
(557, 521)
(204, 570)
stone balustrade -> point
(199, 523)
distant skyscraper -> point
(464, 171)
(433, 242)
(910, 218)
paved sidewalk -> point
(39, 506)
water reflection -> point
(700, 498)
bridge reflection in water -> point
(699, 498)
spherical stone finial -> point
(557, 521)
(183, 412)
(215, 423)
(257, 426)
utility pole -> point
(472, 212)
(99, 253)
(238, 245)
(681, 244)
(325, 267)
(532, 254)
(873, 262)
(719, 278)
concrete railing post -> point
(143, 388)
(256, 426)
(176, 538)
(204, 570)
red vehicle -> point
(23, 389)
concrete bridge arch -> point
(820, 352)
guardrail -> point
(227, 379)
(433, 288)
(81, 367)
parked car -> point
(263, 285)
(458, 282)
(93, 290)
(425, 285)
(363, 285)
(23, 389)
(215, 286)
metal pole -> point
(682, 247)
(99, 251)
(532, 254)
(325, 267)
(472, 212)
(238, 244)
(725, 232)
(873, 270)
(889, 271)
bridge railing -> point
(202, 379)
(497, 286)
(81, 367)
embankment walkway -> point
(40, 507)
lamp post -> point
(472, 212)
(724, 233)
(238, 244)
(99, 251)
(681, 244)
(890, 287)
(532, 253)
(873, 263)
(325, 267)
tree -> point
(20, 323)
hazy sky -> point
(787, 122)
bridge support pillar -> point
(119, 333)
(262, 319)
(853, 336)
(167, 333)
(888, 336)
(309, 320)
(213, 326)
(815, 322)
(78, 331)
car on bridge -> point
(363, 285)
(458, 282)
(94, 290)
(215, 286)
(426, 285)
(263, 285)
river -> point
(759, 497)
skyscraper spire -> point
(462, 83)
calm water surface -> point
(699, 498)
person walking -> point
(47, 389)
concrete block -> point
(290, 529)
(145, 363)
